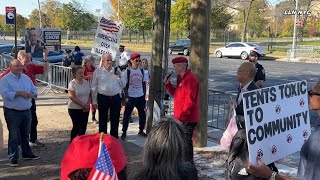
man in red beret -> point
(135, 91)
(186, 100)
(82, 154)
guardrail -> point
(304, 54)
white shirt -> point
(106, 83)
(135, 83)
(82, 92)
(243, 90)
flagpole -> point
(100, 144)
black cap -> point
(122, 46)
(254, 53)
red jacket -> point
(31, 72)
(186, 98)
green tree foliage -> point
(180, 16)
(220, 18)
(286, 28)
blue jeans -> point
(140, 104)
(18, 124)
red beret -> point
(180, 59)
(134, 56)
(83, 153)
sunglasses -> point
(311, 93)
(138, 60)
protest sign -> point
(107, 38)
(277, 120)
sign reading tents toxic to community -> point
(277, 120)
(107, 38)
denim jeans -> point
(112, 103)
(140, 104)
(18, 124)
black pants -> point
(79, 122)
(106, 103)
(188, 130)
(34, 122)
(140, 104)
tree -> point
(21, 23)
(199, 61)
(286, 30)
(220, 18)
(50, 8)
(180, 16)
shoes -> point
(36, 144)
(31, 157)
(141, 133)
(14, 163)
(123, 136)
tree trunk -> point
(199, 61)
(156, 56)
(129, 35)
(244, 32)
(143, 36)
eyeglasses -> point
(138, 60)
(311, 93)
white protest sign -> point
(277, 121)
(107, 38)
(156, 112)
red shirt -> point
(186, 98)
(87, 71)
(31, 71)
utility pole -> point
(293, 52)
(156, 56)
(199, 61)
(40, 14)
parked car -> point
(181, 46)
(239, 49)
(6, 48)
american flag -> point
(103, 169)
(109, 25)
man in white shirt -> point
(136, 94)
(106, 86)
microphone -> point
(169, 75)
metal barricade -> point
(218, 106)
(5, 61)
(303, 54)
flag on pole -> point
(103, 168)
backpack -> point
(239, 156)
(128, 80)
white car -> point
(239, 49)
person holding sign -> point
(260, 76)
(309, 166)
(186, 101)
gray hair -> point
(87, 58)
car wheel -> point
(244, 55)
(169, 51)
(219, 54)
(185, 52)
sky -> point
(24, 7)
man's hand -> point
(166, 80)
(45, 53)
(261, 171)
(118, 73)
(22, 94)
(30, 95)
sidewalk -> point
(54, 129)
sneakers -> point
(14, 163)
(123, 136)
(36, 144)
(141, 133)
(31, 157)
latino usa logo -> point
(289, 138)
(274, 149)
(259, 154)
(301, 102)
(278, 109)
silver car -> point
(239, 49)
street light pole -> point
(293, 52)
(40, 14)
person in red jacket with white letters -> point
(186, 101)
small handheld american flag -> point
(103, 168)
